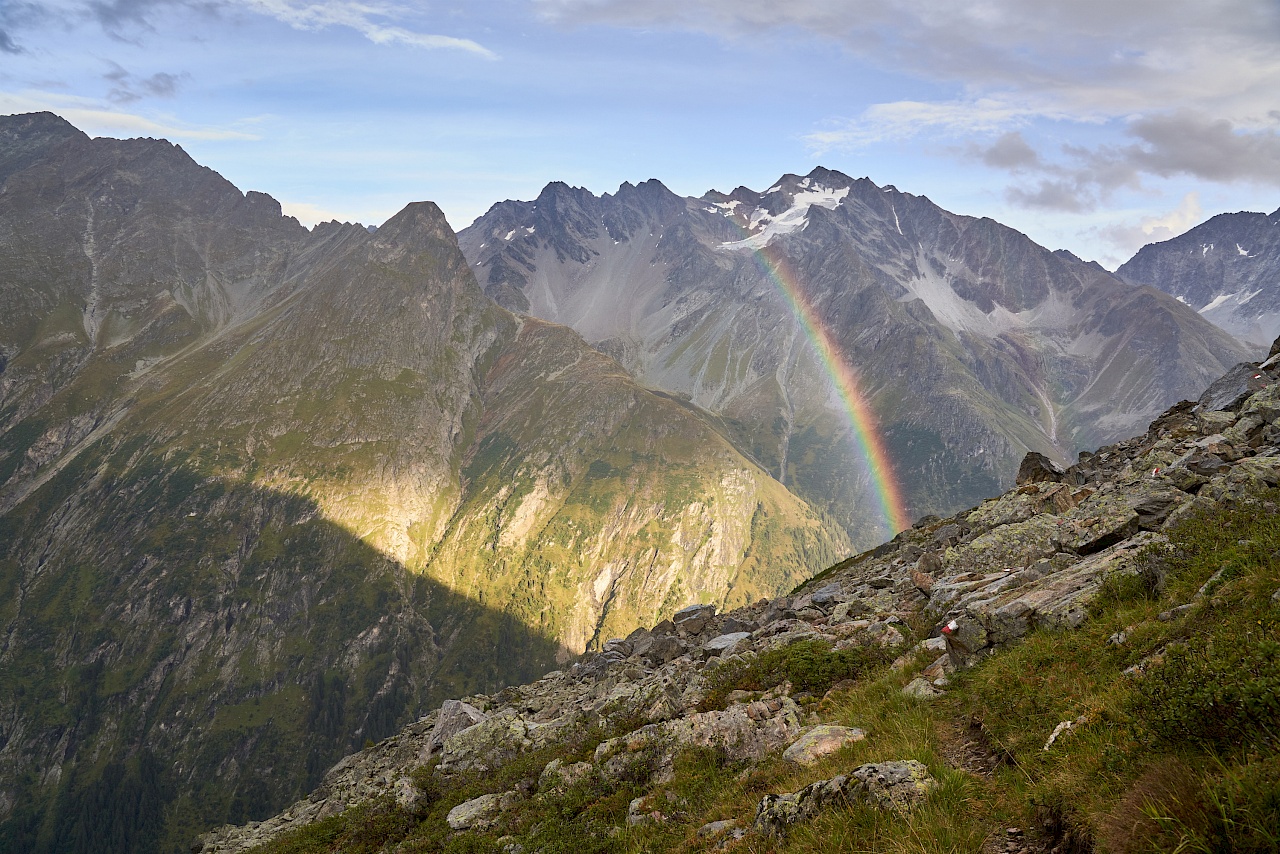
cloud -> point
(1173, 145)
(379, 22)
(1071, 54)
(1128, 238)
(370, 19)
(93, 118)
(1010, 151)
(1192, 83)
(904, 119)
(127, 88)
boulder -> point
(691, 620)
(1037, 468)
(487, 744)
(821, 741)
(476, 813)
(455, 716)
(725, 644)
(1232, 389)
(663, 648)
(885, 785)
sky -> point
(1092, 125)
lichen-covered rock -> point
(487, 744)
(476, 813)
(820, 741)
(885, 785)
(455, 716)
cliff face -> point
(970, 343)
(267, 492)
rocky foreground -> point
(1034, 557)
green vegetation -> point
(811, 667)
(1174, 743)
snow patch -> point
(792, 219)
(1244, 252)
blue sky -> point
(1093, 126)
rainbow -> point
(861, 418)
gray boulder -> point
(884, 785)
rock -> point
(455, 716)
(896, 785)
(662, 649)
(848, 611)
(487, 744)
(1154, 506)
(828, 595)
(692, 620)
(821, 741)
(1037, 468)
(1174, 613)
(716, 828)
(725, 644)
(1231, 390)
(921, 689)
(922, 581)
(880, 582)
(476, 813)
(557, 775)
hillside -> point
(1085, 663)
(269, 492)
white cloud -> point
(1195, 84)
(379, 22)
(94, 118)
(903, 119)
(1128, 238)
(362, 17)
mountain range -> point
(270, 492)
(1227, 268)
(265, 492)
(972, 344)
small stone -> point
(1174, 613)
(1119, 638)
(921, 688)
(822, 741)
(716, 828)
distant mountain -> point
(971, 344)
(1228, 269)
(266, 493)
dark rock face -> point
(1227, 393)
(1037, 468)
(1228, 269)
(972, 344)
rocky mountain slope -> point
(678, 737)
(971, 344)
(1227, 268)
(267, 492)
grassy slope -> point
(1181, 758)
